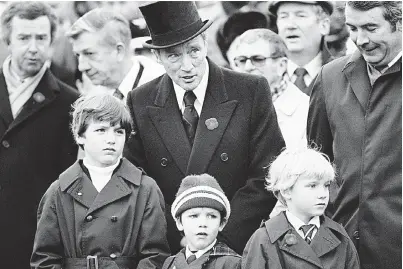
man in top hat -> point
(303, 26)
(199, 118)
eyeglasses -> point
(256, 60)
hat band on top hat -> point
(178, 35)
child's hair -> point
(200, 191)
(291, 164)
(100, 107)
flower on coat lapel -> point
(39, 97)
(290, 239)
(211, 123)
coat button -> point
(224, 157)
(89, 218)
(356, 235)
(79, 193)
(114, 219)
(113, 256)
(5, 144)
(164, 162)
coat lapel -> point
(5, 108)
(356, 73)
(46, 88)
(167, 119)
(324, 241)
(215, 106)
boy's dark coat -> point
(220, 257)
(245, 140)
(125, 219)
(278, 243)
(34, 149)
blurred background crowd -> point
(231, 19)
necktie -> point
(118, 94)
(308, 231)
(190, 117)
(191, 259)
(299, 82)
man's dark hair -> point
(392, 10)
(27, 11)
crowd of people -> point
(180, 134)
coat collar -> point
(167, 119)
(126, 171)
(47, 87)
(325, 240)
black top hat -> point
(172, 23)
(326, 5)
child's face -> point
(200, 226)
(103, 144)
(307, 198)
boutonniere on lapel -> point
(211, 123)
(39, 97)
(290, 239)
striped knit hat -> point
(200, 191)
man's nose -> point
(249, 65)
(82, 63)
(187, 64)
(361, 38)
(33, 46)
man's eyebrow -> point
(363, 25)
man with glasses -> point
(263, 52)
(200, 118)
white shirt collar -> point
(398, 56)
(127, 83)
(313, 68)
(200, 252)
(200, 92)
(297, 223)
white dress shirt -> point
(200, 252)
(200, 92)
(313, 68)
(297, 223)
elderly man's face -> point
(254, 58)
(97, 59)
(298, 25)
(185, 64)
(373, 36)
(29, 45)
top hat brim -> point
(149, 45)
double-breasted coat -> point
(124, 224)
(360, 127)
(235, 151)
(277, 245)
(35, 148)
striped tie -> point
(308, 231)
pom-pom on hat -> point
(200, 191)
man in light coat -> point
(200, 118)
(355, 116)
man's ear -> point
(121, 51)
(286, 194)
(282, 66)
(324, 26)
(179, 224)
(157, 55)
(399, 26)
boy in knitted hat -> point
(201, 210)
(300, 237)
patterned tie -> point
(190, 117)
(308, 231)
(191, 259)
(299, 82)
(118, 94)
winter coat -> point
(359, 126)
(277, 245)
(123, 225)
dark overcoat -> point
(235, 151)
(124, 223)
(35, 148)
(277, 245)
(360, 128)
